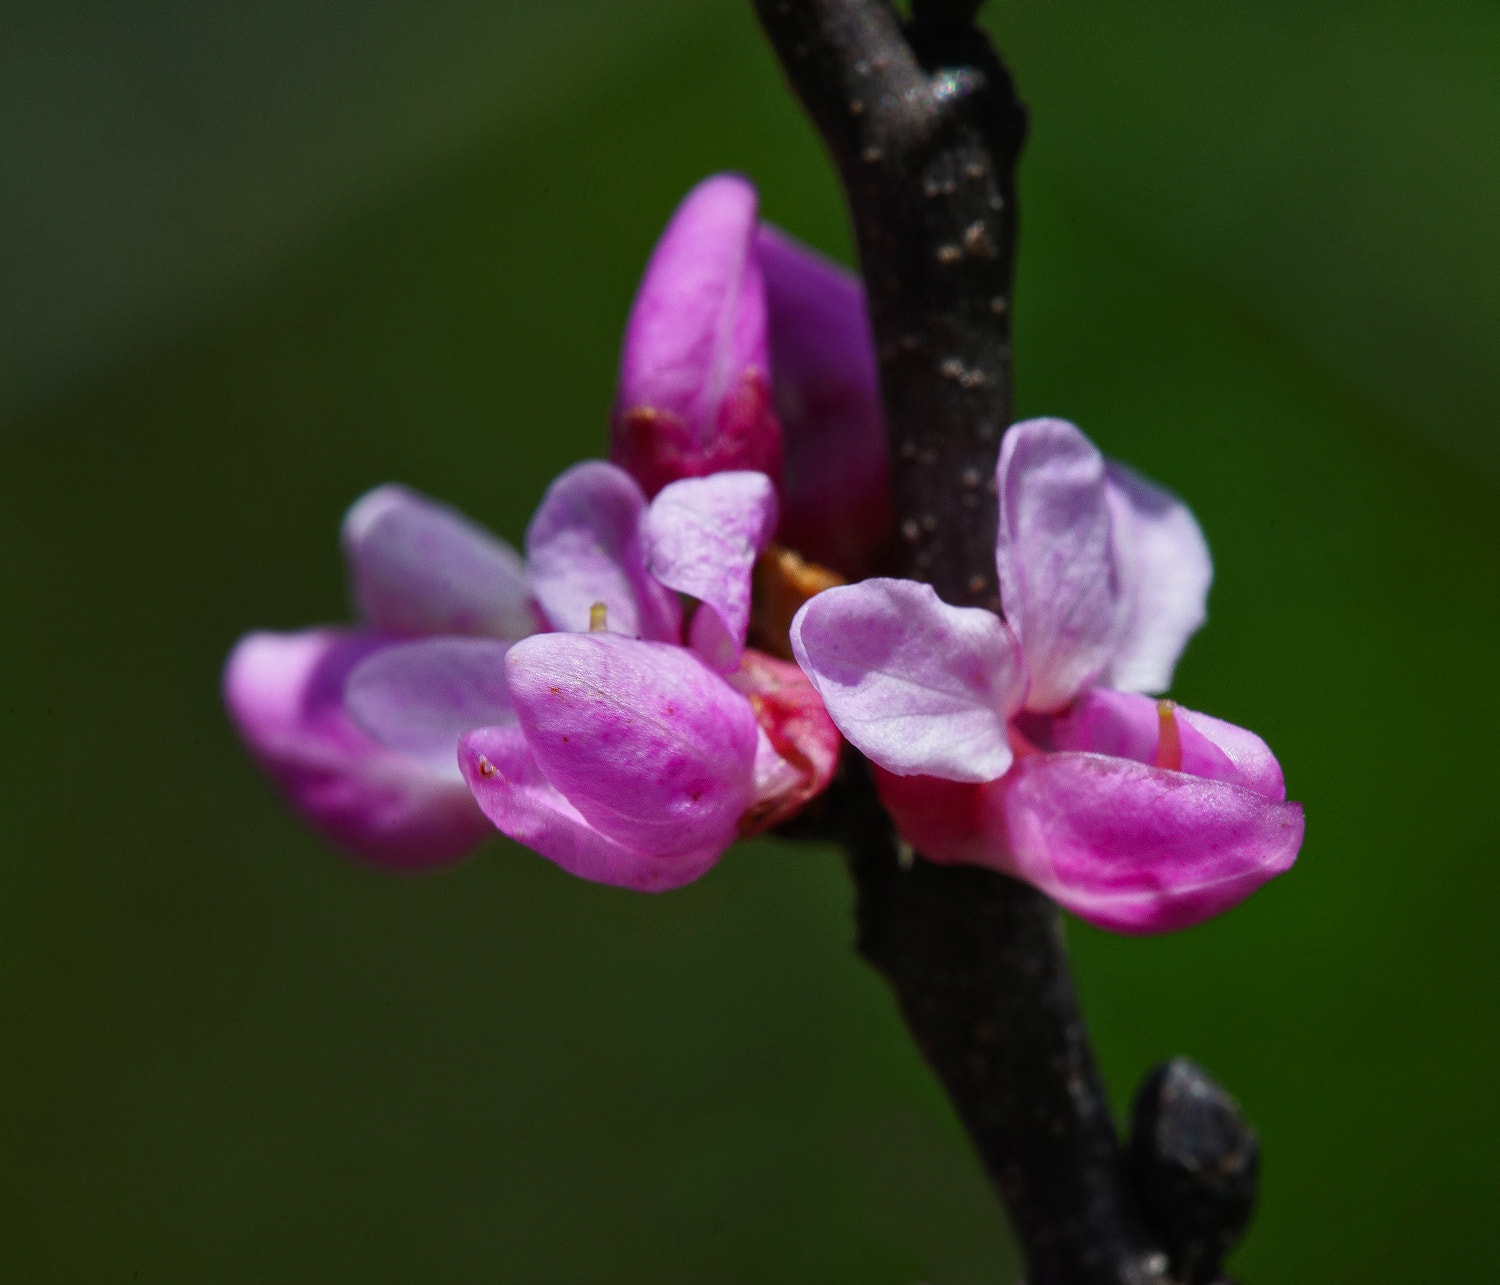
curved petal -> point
(1254, 764)
(285, 694)
(1165, 570)
(585, 545)
(649, 744)
(797, 751)
(694, 396)
(826, 385)
(1059, 583)
(1135, 848)
(420, 697)
(702, 538)
(919, 686)
(512, 792)
(419, 567)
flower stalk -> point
(925, 128)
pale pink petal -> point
(917, 685)
(285, 694)
(649, 744)
(703, 535)
(797, 751)
(507, 784)
(1136, 848)
(1059, 584)
(585, 545)
(837, 503)
(420, 697)
(418, 567)
(694, 394)
(1165, 570)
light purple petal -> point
(420, 697)
(650, 745)
(1134, 848)
(521, 802)
(702, 538)
(418, 567)
(585, 545)
(919, 686)
(1165, 570)
(837, 509)
(285, 694)
(1059, 584)
(694, 394)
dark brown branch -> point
(925, 128)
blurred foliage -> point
(231, 1055)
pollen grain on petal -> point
(486, 768)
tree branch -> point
(925, 128)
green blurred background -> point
(255, 258)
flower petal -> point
(837, 509)
(1059, 583)
(694, 396)
(650, 745)
(510, 788)
(585, 546)
(1254, 764)
(1165, 569)
(285, 694)
(420, 697)
(946, 821)
(1136, 848)
(919, 686)
(702, 538)
(798, 748)
(419, 567)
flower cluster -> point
(597, 700)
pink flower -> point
(631, 746)
(1025, 745)
(738, 333)
(417, 569)
(642, 748)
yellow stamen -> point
(1169, 738)
(597, 619)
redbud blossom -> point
(744, 347)
(1021, 744)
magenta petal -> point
(702, 538)
(1134, 848)
(649, 744)
(1254, 764)
(285, 694)
(419, 567)
(420, 697)
(585, 545)
(1127, 725)
(509, 787)
(919, 686)
(797, 751)
(837, 509)
(1059, 584)
(694, 393)
(1165, 572)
